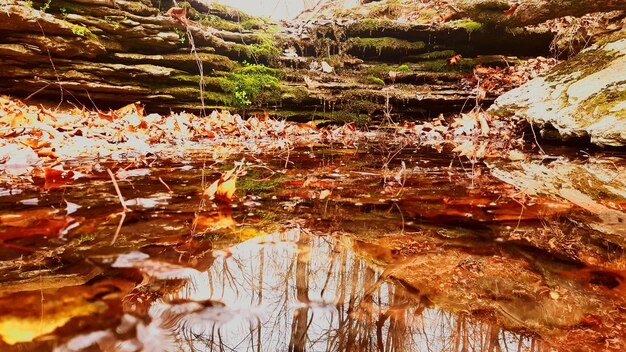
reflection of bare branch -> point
(298, 292)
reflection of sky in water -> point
(299, 292)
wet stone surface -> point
(321, 249)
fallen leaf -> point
(511, 9)
(454, 60)
(224, 188)
(55, 178)
(516, 155)
(324, 194)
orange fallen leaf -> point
(178, 13)
(133, 108)
(224, 188)
(454, 60)
(511, 9)
(55, 178)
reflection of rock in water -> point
(287, 291)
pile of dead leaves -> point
(475, 135)
(32, 137)
(498, 80)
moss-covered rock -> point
(582, 97)
(253, 85)
(386, 45)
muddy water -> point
(322, 250)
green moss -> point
(603, 102)
(426, 16)
(403, 68)
(613, 37)
(465, 65)
(216, 22)
(217, 97)
(585, 64)
(228, 11)
(443, 54)
(81, 31)
(186, 78)
(182, 35)
(385, 44)
(265, 50)
(373, 24)
(389, 9)
(374, 80)
(252, 23)
(210, 82)
(335, 60)
(350, 117)
(254, 183)
(467, 24)
(295, 94)
(254, 85)
(359, 105)
(382, 71)
(85, 238)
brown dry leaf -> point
(511, 9)
(454, 60)
(55, 178)
(178, 13)
(18, 119)
(133, 108)
(467, 148)
(484, 126)
(464, 124)
(481, 149)
(516, 155)
(224, 188)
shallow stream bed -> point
(376, 248)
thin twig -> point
(56, 74)
(119, 228)
(119, 193)
(166, 186)
(535, 136)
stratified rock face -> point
(582, 97)
(108, 53)
(113, 52)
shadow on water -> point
(341, 251)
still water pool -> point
(321, 249)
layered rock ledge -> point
(109, 53)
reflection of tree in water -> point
(299, 292)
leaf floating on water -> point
(224, 188)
